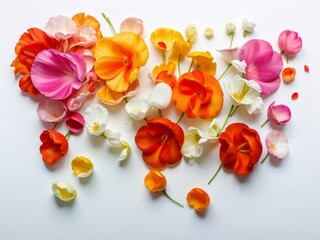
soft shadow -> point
(86, 180)
(156, 195)
(56, 165)
(62, 204)
(97, 141)
(202, 214)
(274, 161)
(243, 178)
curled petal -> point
(132, 24)
(279, 114)
(198, 199)
(288, 74)
(75, 122)
(277, 144)
(160, 96)
(82, 167)
(229, 54)
(51, 110)
(64, 191)
(56, 74)
(155, 181)
(164, 38)
(289, 42)
(138, 108)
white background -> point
(279, 200)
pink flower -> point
(263, 65)
(279, 114)
(51, 110)
(75, 122)
(56, 74)
(61, 28)
(229, 54)
(132, 24)
(277, 144)
(289, 42)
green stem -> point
(231, 112)
(244, 33)
(265, 122)
(179, 59)
(164, 191)
(69, 133)
(104, 136)
(181, 116)
(160, 113)
(191, 65)
(55, 125)
(231, 40)
(267, 155)
(287, 59)
(225, 71)
(164, 57)
(126, 99)
(215, 174)
(109, 23)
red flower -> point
(240, 148)
(54, 146)
(160, 141)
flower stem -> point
(287, 59)
(164, 57)
(225, 71)
(265, 122)
(164, 191)
(231, 40)
(109, 23)
(244, 33)
(232, 110)
(191, 64)
(104, 136)
(160, 113)
(181, 116)
(215, 174)
(179, 59)
(267, 155)
(55, 125)
(69, 133)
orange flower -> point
(240, 148)
(160, 141)
(54, 146)
(86, 20)
(198, 199)
(198, 94)
(165, 73)
(164, 38)
(119, 58)
(155, 181)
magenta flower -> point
(289, 42)
(75, 122)
(279, 114)
(51, 110)
(263, 65)
(56, 74)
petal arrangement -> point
(70, 60)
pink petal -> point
(56, 74)
(229, 54)
(277, 144)
(279, 114)
(61, 28)
(132, 24)
(51, 110)
(75, 122)
(289, 42)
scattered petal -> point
(75, 122)
(64, 191)
(277, 144)
(82, 167)
(306, 68)
(288, 74)
(155, 181)
(198, 199)
(289, 42)
(51, 110)
(115, 141)
(279, 114)
(160, 96)
(295, 96)
(132, 24)
(138, 108)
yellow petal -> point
(82, 166)
(164, 38)
(64, 191)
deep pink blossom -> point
(56, 74)
(279, 114)
(289, 42)
(263, 65)
(75, 122)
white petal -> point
(96, 117)
(61, 28)
(137, 108)
(277, 144)
(113, 138)
(239, 65)
(160, 96)
(229, 54)
(64, 191)
(125, 151)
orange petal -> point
(198, 199)
(155, 181)
(152, 159)
(288, 74)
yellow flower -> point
(164, 38)
(179, 49)
(204, 62)
(82, 167)
(119, 58)
(165, 73)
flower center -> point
(243, 148)
(273, 147)
(240, 95)
(126, 61)
(95, 127)
(164, 138)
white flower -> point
(248, 27)
(115, 141)
(239, 65)
(61, 28)
(137, 108)
(230, 28)
(208, 32)
(229, 54)
(64, 191)
(160, 96)
(96, 117)
(191, 33)
(244, 92)
(277, 144)
(193, 142)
